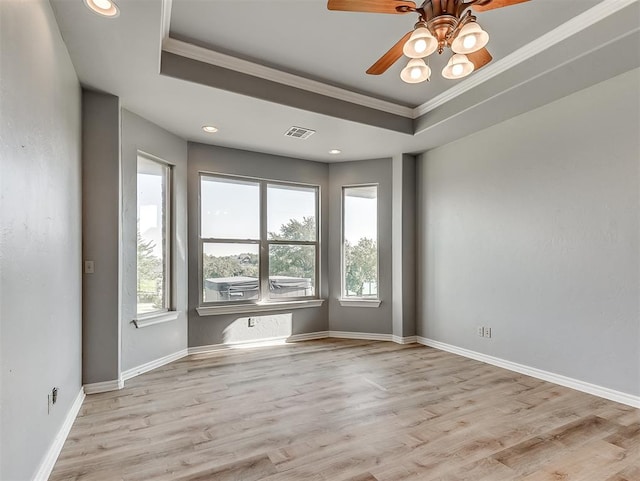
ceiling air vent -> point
(299, 133)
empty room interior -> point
(343, 240)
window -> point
(360, 242)
(259, 240)
(154, 239)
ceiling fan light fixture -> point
(458, 66)
(416, 71)
(471, 38)
(421, 44)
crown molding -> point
(201, 54)
(568, 29)
(581, 22)
(165, 25)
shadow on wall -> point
(260, 330)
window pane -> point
(292, 270)
(230, 209)
(153, 242)
(291, 213)
(230, 272)
(360, 248)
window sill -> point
(158, 318)
(374, 303)
(258, 307)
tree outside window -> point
(360, 241)
(242, 218)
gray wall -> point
(404, 245)
(140, 346)
(206, 158)
(101, 236)
(40, 221)
(361, 319)
(531, 227)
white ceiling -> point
(541, 52)
(303, 37)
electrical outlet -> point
(52, 398)
(252, 322)
(480, 331)
(487, 332)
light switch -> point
(88, 267)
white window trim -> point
(168, 261)
(233, 307)
(257, 307)
(155, 318)
(358, 301)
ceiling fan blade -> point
(371, 6)
(389, 58)
(493, 4)
(480, 58)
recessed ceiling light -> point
(210, 129)
(105, 8)
(335, 151)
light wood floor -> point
(347, 410)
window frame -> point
(263, 244)
(168, 230)
(358, 301)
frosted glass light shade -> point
(458, 66)
(421, 44)
(416, 71)
(470, 39)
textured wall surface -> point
(101, 236)
(140, 346)
(207, 330)
(40, 228)
(404, 246)
(531, 227)
(361, 319)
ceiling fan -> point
(441, 24)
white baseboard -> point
(148, 366)
(292, 338)
(370, 336)
(309, 336)
(600, 391)
(364, 336)
(98, 387)
(49, 461)
(269, 341)
(404, 340)
(207, 348)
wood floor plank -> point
(632, 473)
(347, 410)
